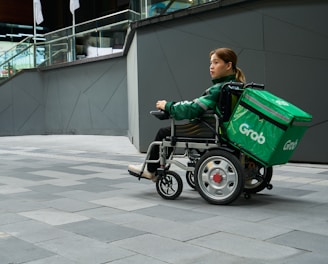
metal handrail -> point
(14, 56)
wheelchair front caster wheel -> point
(169, 186)
(247, 196)
(190, 179)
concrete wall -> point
(280, 43)
(133, 100)
(87, 99)
(22, 105)
(80, 99)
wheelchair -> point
(215, 168)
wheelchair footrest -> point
(141, 177)
(137, 175)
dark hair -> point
(228, 55)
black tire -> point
(219, 177)
(169, 186)
(257, 177)
(190, 179)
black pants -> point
(154, 153)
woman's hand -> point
(161, 104)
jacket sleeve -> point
(192, 109)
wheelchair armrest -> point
(160, 114)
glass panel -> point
(149, 8)
(98, 37)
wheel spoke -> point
(224, 165)
(169, 186)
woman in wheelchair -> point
(223, 68)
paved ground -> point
(69, 199)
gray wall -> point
(280, 43)
(87, 99)
(22, 105)
(81, 99)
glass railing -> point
(98, 37)
(150, 8)
(18, 57)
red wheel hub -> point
(217, 178)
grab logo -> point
(245, 130)
(290, 145)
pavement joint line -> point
(62, 157)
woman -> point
(223, 69)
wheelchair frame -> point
(217, 170)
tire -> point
(257, 177)
(169, 186)
(190, 179)
(219, 177)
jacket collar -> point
(224, 79)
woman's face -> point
(219, 68)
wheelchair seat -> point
(208, 127)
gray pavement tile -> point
(320, 211)
(9, 218)
(310, 223)
(101, 213)
(71, 170)
(34, 196)
(100, 181)
(82, 195)
(123, 203)
(304, 240)
(174, 214)
(101, 230)
(25, 175)
(19, 205)
(305, 258)
(291, 192)
(50, 188)
(69, 205)
(33, 231)
(163, 249)
(216, 257)
(256, 230)
(53, 217)
(85, 250)
(90, 187)
(14, 250)
(52, 260)
(138, 259)
(247, 247)
(168, 228)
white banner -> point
(73, 5)
(38, 12)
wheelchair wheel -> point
(219, 177)
(169, 186)
(190, 179)
(257, 177)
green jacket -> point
(208, 101)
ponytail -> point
(240, 76)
